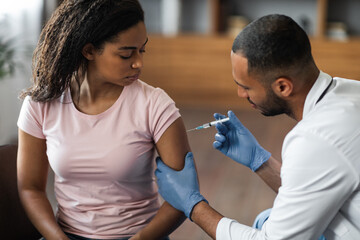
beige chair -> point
(14, 224)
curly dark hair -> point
(57, 59)
(274, 45)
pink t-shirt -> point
(103, 164)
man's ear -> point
(88, 51)
(282, 87)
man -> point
(318, 180)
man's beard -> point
(273, 105)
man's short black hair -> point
(273, 44)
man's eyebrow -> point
(131, 47)
(240, 85)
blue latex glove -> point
(179, 188)
(236, 142)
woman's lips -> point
(134, 77)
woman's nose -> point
(138, 61)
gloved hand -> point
(236, 142)
(179, 188)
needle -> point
(207, 125)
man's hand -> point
(179, 188)
(236, 142)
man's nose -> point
(242, 92)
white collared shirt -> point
(320, 171)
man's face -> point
(273, 105)
(261, 98)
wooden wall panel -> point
(193, 70)
(339, 59)
(196, 70)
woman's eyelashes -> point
(123, 56)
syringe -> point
(207, 125)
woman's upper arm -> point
(173, 145)
(32, 162)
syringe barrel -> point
(206, 125)
(219, 121)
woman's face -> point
(120, 61)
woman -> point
(97, 125)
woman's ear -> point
(282, 87)
(88, 51)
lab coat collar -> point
(321, 84)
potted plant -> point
(7, 64)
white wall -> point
(165, 16)
(20, 21)
(296, 9)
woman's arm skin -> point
(172, 147)
(32, 171)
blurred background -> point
(188, 55)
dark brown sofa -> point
(14, 224)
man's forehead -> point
(239, 62)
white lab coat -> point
(320, 171)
